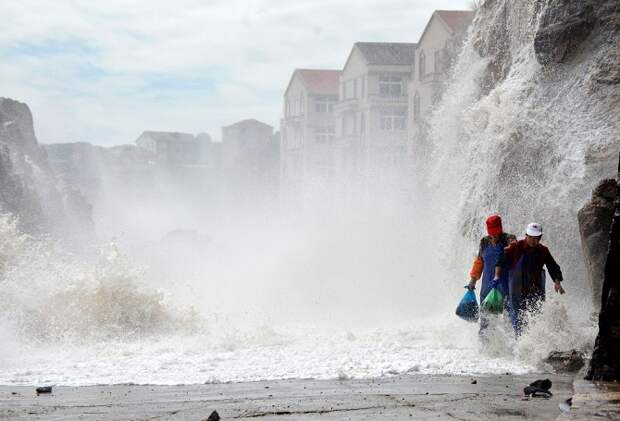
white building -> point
(307, 133)
(171, 148)
(371, 114)
(437, 50)
(249, 159)
(243, 143)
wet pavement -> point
(594, 401)
(417, 397)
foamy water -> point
(70, 321)
(269, 354)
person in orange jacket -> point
(484, 266)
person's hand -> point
(472, 285)
(557, 285)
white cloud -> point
(86, 68)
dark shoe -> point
(542, 384)
(535, 392)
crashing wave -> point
(51, 295)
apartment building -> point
(438, 48)
(171, 148)
(371, 113)
(249, 160)
(307, 133)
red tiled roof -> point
(456, 19)
(320, 79)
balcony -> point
(293, 118)
(349, 140)
(433, 77)
(384, 100)
(349, 104)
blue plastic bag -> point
(468, 307)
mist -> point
(336, 245)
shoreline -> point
(397, 398)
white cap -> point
(534, 229)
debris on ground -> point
(566, 405)
(213, 417)
(539, 388)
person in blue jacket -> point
(489, 252)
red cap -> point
(494, 225)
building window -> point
(325, 103)
(349, 89)
(298, 136)
(324, 135)
(362, 122)
(348, 124)
(421, 65)
(355, 88)
(363, 83)
(435, 97)
(301, 103)
(390, 85)
(416, 106)
(393, 119)
(437, 64)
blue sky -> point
(103, 72)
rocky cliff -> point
(28, 188)
(605, 364)
(532, 112)
(594, 226)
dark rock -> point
(605, 364)
(594, 224)
(563, 26)
(568, 361)
(607, 69)
(44, 389)
(213, 417)
(493, 42)
(29, 189)
(474, 382)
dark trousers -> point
(520, 309)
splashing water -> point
(358, 294)
(528, 146)
(98, 322)
(51, 296)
